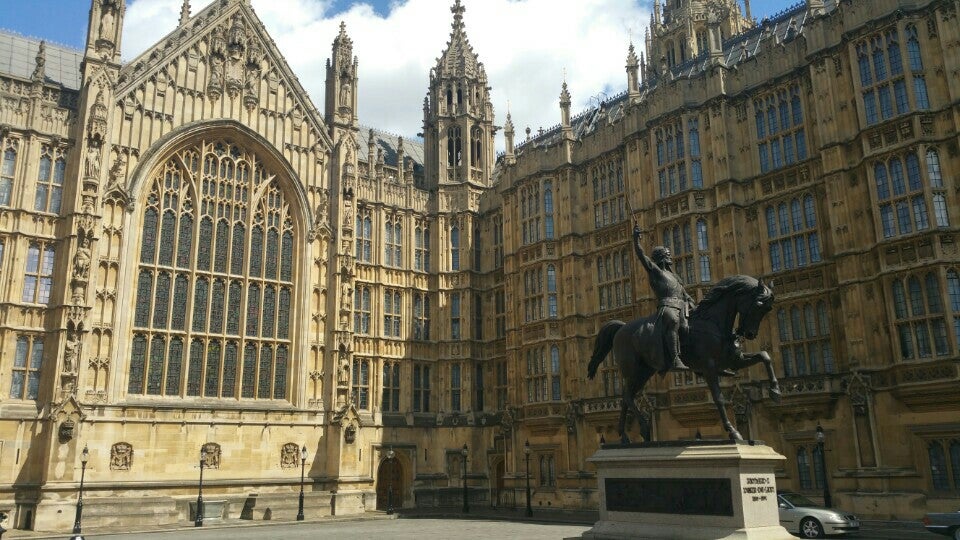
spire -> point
(185, 12)
(508, 136)
(633, 77)
(39, 72)
(457, 11)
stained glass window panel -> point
(286, 263)
(235, 308)
(280, 374)
(141, 317)
(195, 373)
(179, 307)
(253, 311)
(218, 297)
(185, 241)
(273, 253)
(138, 364)
(265, 375)
(256, 252)
(200, 305)
(149, 246)
(230, 370)
(168, 232)
(155, 370)
(269, 311)
(249, 370)
(174, 366)
(223, 241)
(162, 301)
(283, 314)
(206, 241)
(236, 253)
(212, 378)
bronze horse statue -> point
(710, 346)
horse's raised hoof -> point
(774, 394)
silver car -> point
(800, 515)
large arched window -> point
(215, 279)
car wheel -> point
(956, 533)
(811, 528)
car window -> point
(798, 500)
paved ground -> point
(482, 524)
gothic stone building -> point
(198, 268)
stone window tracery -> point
(421, 252)
(364, 232)
(805, 343)
(455, 317)
(390, 399)
(533, 295)
(455, 248)
(38, 278)
(421, 388)
(27, 361)
(393, 244)
(781, 139)
(214, 303)
(883, 82)
(361, 383)
(49, 193)
(456, 387)
(361, 310)
(944, 460)
(613, 279)
(609, 202)
(792, 233)
(919, 312)
(8, 169)
(903, 190)
(530, 217)
(392, 310)
(421, 316)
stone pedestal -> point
(689, 490)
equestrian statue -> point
(682, 333)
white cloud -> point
(526, 45)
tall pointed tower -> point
(458, 116)
(680, 30)
(341, 105)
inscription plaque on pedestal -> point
(690, 490)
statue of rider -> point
(673, 302)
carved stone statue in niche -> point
(346, 298)
(92, 166)
(216, 73)
(81, 261)
(121, 456)
(290, 456)
(71, 352)
(108, 22)
(346, 94)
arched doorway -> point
(498, 494)
(390, 484)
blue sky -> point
(529, 47)
(64, 21)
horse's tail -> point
(603, 345)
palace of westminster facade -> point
(193, 257)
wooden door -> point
(390, 484)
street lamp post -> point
(390, 455)
(526, 451)
(827, 500)
(466, 503)
(303, 464)
(198, 519)
(78, 516)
